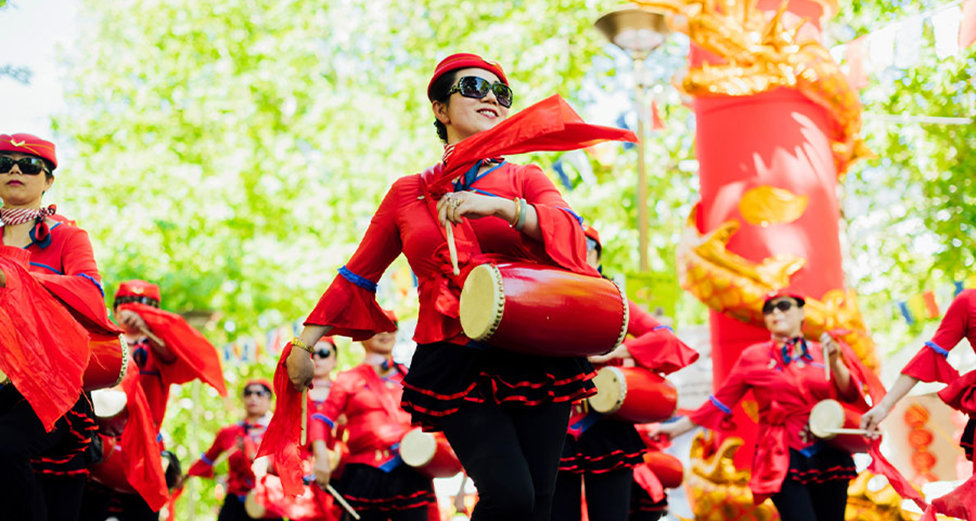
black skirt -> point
(607, 445)
(369, 488)
(826, 464)
(643, 507)
(966, 442)
(443, 376)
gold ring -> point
(457, 202)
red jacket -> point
(241, 440)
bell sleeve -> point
(349, 305)
(654, 346)
(719, 406)
(931, 364)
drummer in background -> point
(505, 414)
(602, 453)
(42, 474)
(166, 350)
(375, 481)
(807, 482)
(326, 356)
(240, 441)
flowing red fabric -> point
(647, 480)
(171, 507)
(281, 439)
(771, 447)
(960, 394)
(960, 503)
(142, 463)
(83, 299)
(43, 350)
(881, 465)
(548, 125)
(196, 357)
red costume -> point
(930, 365)
(786, 389)
(241, 440)
(375, 424)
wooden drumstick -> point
(342, 501)
(824, 338)
(155, 339)
(452, 247)
(304, 416)
(863, 432)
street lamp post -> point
(638, 32)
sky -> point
(31, 32)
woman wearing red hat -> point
(505, 414)
(240, 441)
(375, 481)
(43, 466)
(806, 477)
(601, 452)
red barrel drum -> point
(633, 394)
(668, 469)
(109, 358)
(830, 415)
(429, 454)
(542, 310)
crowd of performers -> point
(520, 420)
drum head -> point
(482, 302)
(611, 389)
(108, 402)
(417, 448)
(826, 416)
(254, 509)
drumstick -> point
(452, 247)
(847, 431)
(156, 340)
(826, 357)
(338, 497)
(304, 416)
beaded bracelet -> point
(522, 215)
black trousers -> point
(24, 495)
(511, 452)
(413, 514)
(233, 510)
(607, 495)
(812, 502)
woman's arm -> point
(879, 412)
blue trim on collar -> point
(804, 351)
(47, 242)
(937, 348)
(471, 176)
(358, 280)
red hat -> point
(463, 61)
(328, 339)
(264, 382)
(784, 292)
(392, 316)
(593, 234)
(28, 144)
(138, 288)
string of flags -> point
(899, 43)
(924, 306)
(252, 349)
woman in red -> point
(42, 473)
(505, 414)
(375, 481)
(241, 441)
(325, 355)
(930, 365)
(807, 478)
(602, 452)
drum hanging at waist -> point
(542, 310)
(839, 425)
(429, 454)
(108, 362)
(633, 394)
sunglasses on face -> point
(28, 165)
(477, 88)
(322, 353)
(255, 392)
(783, 305)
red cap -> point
(784, 292)
(593, 234)
(138, 288)
(463, 61)
(28, 144)
(259, 381)
(392, 316)
(328, 339)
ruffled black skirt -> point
(369, 488)
(643, 507)
(607, 445)
(443, 376)
(966, 442)
(827, 464)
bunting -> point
(924, 306)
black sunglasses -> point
(783, 305)
(28, 165)
(256, 392)
(322, 353)
(477, 87)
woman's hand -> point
(300, 368)
(131, 321)
(321, 467)
(873, 418)
(3, 279)
(674, 429)
(831, 348)
(620, 352)
(455, 206)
